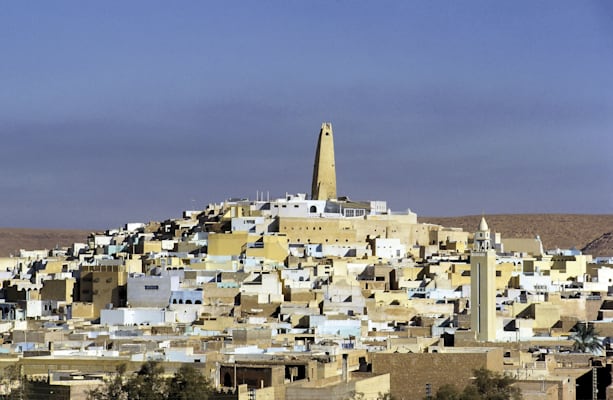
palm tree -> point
(586, 339)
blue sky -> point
(115, 111)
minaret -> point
(324, 171)
(482, 237)
(483, 286)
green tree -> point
(114, 389)
(585, 339)
(354, 395)
(470, 392)
(487, 385)
(495, 386)
(148, 383)
(451, 392)
(15, 382)
(447, 392)
(188, 384)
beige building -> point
(269, 247)
(103, 285)
(58, 289)
(341, 230)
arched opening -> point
(313, 209)
(227, 380)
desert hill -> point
(555, 230)
(13, 239)
(601, 246)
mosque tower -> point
(482, 239)
(324, 171)
(483, 285)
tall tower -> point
(482, 239)
(324, 171)
(483, 286)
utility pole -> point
(594, 383)
(595, 363)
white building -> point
(137, 316)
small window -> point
(151, 287)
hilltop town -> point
(308, 296)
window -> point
(313, 209)
(151, 287)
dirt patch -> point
(13, 239)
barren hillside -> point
(555, 230)
(13, 239)
(602, 246)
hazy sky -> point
(120, 111)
